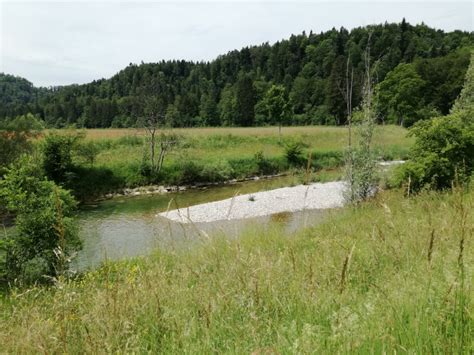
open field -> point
(214, 144)
(393, 275)
(322, 137)
(219, 154)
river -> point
(125, 227)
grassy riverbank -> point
(220, 154)
(389, 276)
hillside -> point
(233, 88)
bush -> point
(57, 156)
(443, 152)
(15, 138)
(219, 171)
(294, 153)
(45, 233)
(327, 160)
(265, 166)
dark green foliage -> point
(45, 234)
(443, 153)
(90, 182)
(228, 90)
(245, 101)
(327, 160)
(294, 154)
(400, 95)
(265, 166)
(57, 157)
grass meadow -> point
(393, 275)
(219, 154)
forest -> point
(296, 81)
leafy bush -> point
(265, 166)
(57, 156)
(189, 172)
(15, 137)
(443, 152)
(86, 152)
(243, 167)
(294, 153)
(45, 233)
(329, 159)
(216, 172)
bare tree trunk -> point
(152, 147)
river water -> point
(125, 227)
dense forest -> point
(419, 71)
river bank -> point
(282, 200)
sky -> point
(65, 42)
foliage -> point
(45, 235)
(277, 105)
(16, 136)
(465, 100)
(443, 152)
(294, 153)
(57, 156)
(87, 152)
(265, 166)
(400, 95)
(228, 90)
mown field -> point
(393, 275)
(219, 154)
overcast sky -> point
(65, 42)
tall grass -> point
(209, 148)
(370, 279)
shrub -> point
(216, 172)
(87, 152)
(15, 137)
(294, 153)
(57, 156)
(443, 152)
(265, 166)
(325, 160)
(45, 233)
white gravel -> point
(287, 199)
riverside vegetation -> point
(401, 282)
(389, 273)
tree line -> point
(420, 72)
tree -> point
(361, 163)
(334, 100)
(246, 98)
(208, 110)
(227, 106)
(399, 96)
(444, 146)
(155, 120)
(277, 106)
(45, 235)
(465, 100)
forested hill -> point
(420, 71)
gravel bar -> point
(286, 199)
